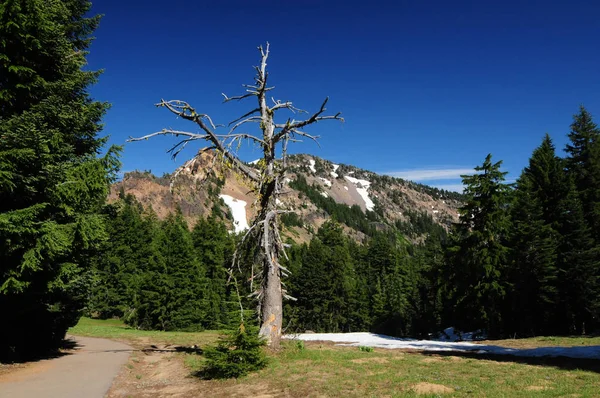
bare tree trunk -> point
(271, 308)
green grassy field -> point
(323, 369)
(117, 330)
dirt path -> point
(86, 371)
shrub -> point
(365, 348)
(237, 354)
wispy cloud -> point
(431, 174)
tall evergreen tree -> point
(388, 267)
(186, 307)
(534, 241)
(52, 184)
(477, 253)
(577, 265)
(429, 261)
(125, 260)
(214, 248)
(583, 163)
(155, 286)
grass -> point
(323, 369)
(327, 370)
(547, 341)
(117, 330)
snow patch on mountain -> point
(238, 211)
(324, 194)
(325, 181)
(254, 161)
(362, 187)
(333, 173)
(311, 165)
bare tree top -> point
(227, 142)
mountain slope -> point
(316, 190)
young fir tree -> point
(52, 183)
(477, 254)
(533, 272)
(583, 163)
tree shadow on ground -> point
(66, 347)
(559, 362)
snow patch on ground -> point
(238, 211)
(333, 173)
(325, 181)
(383, 341)
(324, 194)
(362, 187)
(311, 165)
(346, 188)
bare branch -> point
(245, 115)
(285, 105)
(238, 97)
(176, 133)
(186, 111)
(239, 136)
(252, 119)
(295, 125)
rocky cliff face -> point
(316, 190)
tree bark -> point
(271, 308)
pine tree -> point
(186, 306)
(534, 242)
(577, 265)
(52, 184)
(310, 288)
(477, 254)
(583, 163)
(155, 286)
(214, 249)
(429, 260)
(124, 261)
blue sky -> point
(427, 88)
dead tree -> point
(267, 179)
